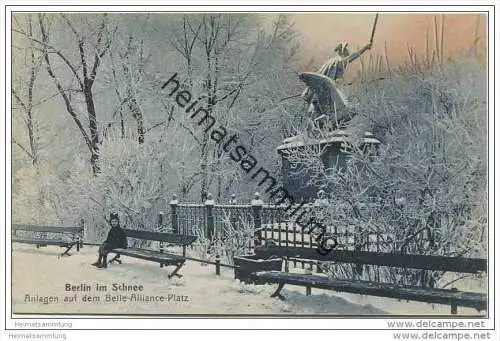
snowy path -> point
(40, 272)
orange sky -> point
(321, 32)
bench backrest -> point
(52, 229)
(399, 260)
(178, 239)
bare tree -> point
(91, 47)
(24, 93)
(128, 75)
(230, 63)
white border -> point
(241, 323)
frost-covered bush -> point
(425, 190)
(232, 238)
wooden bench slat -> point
(57, 240)
(155, 256)
(53, 229)
(424, 262)
(429, 295)
(179, 239)
(42, 241)
(164, 258)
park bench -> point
(158, 256)
(66, 237)
(451, 297)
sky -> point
(320, 33)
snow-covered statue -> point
(326, 100)
(323, 93)
(324, 136)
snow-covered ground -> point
(40, 272)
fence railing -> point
(211, 219)
(267, 223)
(256, 223)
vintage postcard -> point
(250, 164)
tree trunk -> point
(94, 134)
(137, 114)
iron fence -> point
(258, 223)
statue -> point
(327, 106)
(326, 100)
